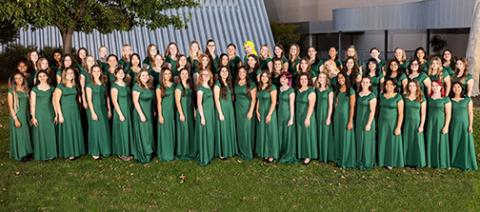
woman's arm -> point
(448, 85)
(82, 86)
(33, 102)
(216, 95)
(90, 104)
(178, 104)
(253, 103)
(292, 108)
(57, 96)
(158, 93)
(352, 112)
(423, 116)
(311, 104)
(398, 129)
(373, 106)
(330, 108)
(428, 84)
(136, 104)
(448, 116)
(273, 95)
(116, 106)
(470, 117)
(200, 107)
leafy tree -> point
(285, 34)
(8, 32)
(71, 16)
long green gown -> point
(461, 141)
(245, 126)
(142, 147)
(344, 147)
(376, 82)
(413, 141)
(99, 140)
(226, 142)
(166, 131)
(286, 134)
(390, 146)
(325, 132)
(266, 135)
(173, 63)
(205, 134)
(44, 136)
(70, 133)
(20, 143)
(438, 147)
(186, 148)
(122, 132)
(306, 136)
(366, 140)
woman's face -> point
(332, 52)
(251, 62)
(167, 75)
(96, 72)
(312, 53)
(70, 74)
(457, 89)
(103, 52)
(389, 86)
(90, 61)
(194, 48)
(211, 47)
(112, 62)
(182, 61)
(277, 66)
(436, 88)
(264, 78)
(82, 54)
(34, 56)
(206, 75)
(22, 67)
(374, 53)
(393, 66)
(351, 52)
(350, 64)
(184, 76)
(460, 65)
(158, 60)
(414, 66)
(135, 61)
(341, 79)
(278, 51)
(224, 60)
(19, 79)
(224, 73)
(322, 79)
(284, 80)
(303, 65)
(412, 87)
(242, 74)
(293, 50)
(264, 51)
(173, 49)
(372, 66)
(144, 77)
(365, 83)
(398, 54)
(152, 51)
(205, 61)
(42, 77)
(57, 56)
(420, 54)
(231, 50)
(304, 81)
(436, 64)
(120, 75)
(67, 61)
(447, 55)
(248, 49)
(44, 65)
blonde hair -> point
(252, 46)
(431, 69)
(64, 76)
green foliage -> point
(437, 43)
(285, 34)
(8, 32)
(9, 58)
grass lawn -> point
(111, 184)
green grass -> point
(111, 184)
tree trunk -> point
(473, 49)
(67, 36)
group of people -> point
(276, 105)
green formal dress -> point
(245, 126)
(420, 78)
(264, 63)
(186, 147)
(194, 65)
(286, 134)
(122, 131)
(155, 75)
(99, 140)
(375, 82)
(325, 132)
(86, 75)
(266, 134)
(234, 64)
(173, 64)
(306, 136)
(166, 131)
(226, 142)
(463, 80)
(461, 140)
(20, 143)
(205, 134)
(344, 147)
(413, 141)
(43, 135)
(70, 132)
(366, 140)
(438, 147)
(390, 146)
(142, 147)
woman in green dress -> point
(155, 69)
(245, 101)
(293, 59)
(67, 63)
(305, 120)
(185, 126)
(393, 70)
(375, 74)
(133, 70)
(166, 116)
(205, 125)
(181, 64)
(419, 56)
(436, 72)
(142, 97)
(461, 75)
(365, 126)
(343, 130)
(438, 122)
(122, 129)
(314, 61)
(210, 51)
(279, 54)
(253, 68)
(415, 73)
(234, 61)
(86, 78)
(112, 65)
(461, 130)
(194, 57)
(126, 54)
(286, 120)
(99, 140)
(353, 72)
(43, 119)
(66, 104)
(265, 58)
(266, 133)
(413, 125)
(171, 57)
(20, 143)
(226, 142)
(390, 120)
(152, 51)
(323, 112)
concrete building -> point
(385, 24)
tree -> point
(285, 34)
(71, 16)
(8, 32)
(473, 49)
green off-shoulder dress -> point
(461, 140)
(390, 146)
(166, 131)
(44, 136)
(20, 143)
(266, 134)
(286, 134)
(142, 147)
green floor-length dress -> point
(266, 135)
(413, 141)
(186, 148)
(142, 147)
(205, 134)
(461, 140)
(325, 132)
(20, 143)
(99, 140)
(70, 132)
(43, 135)
(226, 142)
(286, 134)
(344, 139)
(366, 140)
(438, 147)
(122, 131)
(390, 146)
(166, 131)
(306, 136)
(245, 126)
